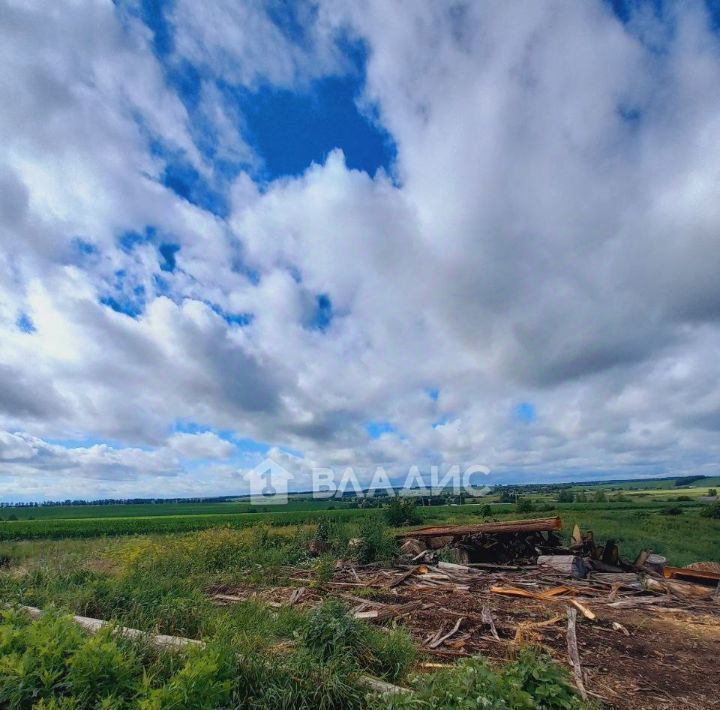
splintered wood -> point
(619, 641)
(573, 652)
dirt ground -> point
(663, 655)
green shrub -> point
(52, 664)
(402, 511)
(322, 532)
(204, 682)
(332, 633)
(324, 567)
(673, 510)
(376, 544)
(532, 682)
(100, 669)
(711, 511)
(298, 681)
(391, 653)
(525, 505)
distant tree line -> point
(115, 501)
(687, 480)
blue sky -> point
(341, 236)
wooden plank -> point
(692, 574)
(506, 526)
(540, 595)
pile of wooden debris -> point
(637, 623)
(498, 542)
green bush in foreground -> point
(376, 544)
(51, 663)
(532, 682)
(402, 511)
(332, 634)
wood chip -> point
(438, 640)
(489, 621)
(587, 613)
(619, 627)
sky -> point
(352, 232)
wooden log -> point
(611, 554)
(570, 565)
(500, 566)
(506, 526)
(577, 538)
(641, 559)
(439, 541)
(625, 579)
(573, 652)
(413, 547)
(600, 566)
(656, 563)
(452, 567)
(685, 590)
(381, 686)
(159, 641)
(634, 602)
(405, 575)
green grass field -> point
(256, 656)
(150, 567)
(631, 514)
(152, 510)
(635, 525)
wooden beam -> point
(506, 526)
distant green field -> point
(97, 527)
(635, 521)
(146, 510)
(634, 524)
(171, 517)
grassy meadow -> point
(153, 566)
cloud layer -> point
(545, 241)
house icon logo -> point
(268, 483)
